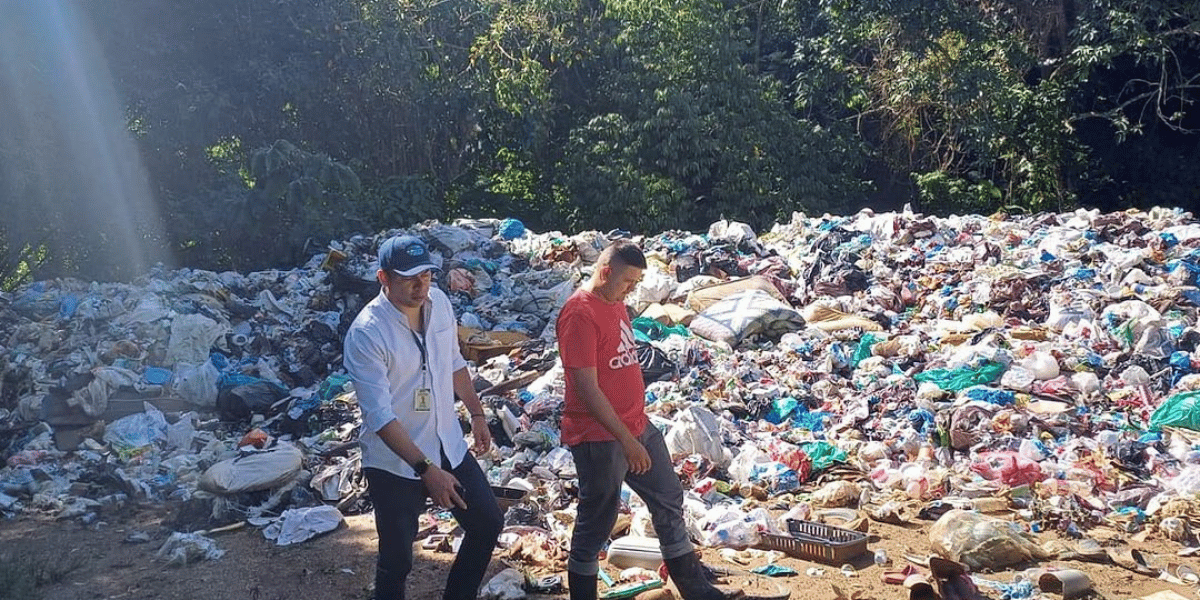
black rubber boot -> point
(581, 587)
(692, 581)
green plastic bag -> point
(822, 454)
(1180, 410)
(646, 329)
(955, 380)
(864, 348)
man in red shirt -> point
(605, 426)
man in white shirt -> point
(402, 353)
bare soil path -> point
(99, 562)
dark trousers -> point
(398, 505)
(602, 468)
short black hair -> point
(624, 252)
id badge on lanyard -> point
(423, 396)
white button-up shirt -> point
(384, 360)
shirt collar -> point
(394, 313)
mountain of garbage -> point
(898, 366)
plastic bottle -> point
(735, 534)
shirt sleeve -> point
(456, 358)
(365, 362)
(577, 340)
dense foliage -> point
(268, 128)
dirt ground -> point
(103, 561)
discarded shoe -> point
(919, 588)
(898, 576)
(1134, 560)
(954, 583)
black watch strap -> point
(421, 466)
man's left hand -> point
(482, 435)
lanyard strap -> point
(421, 346)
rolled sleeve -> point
(366, 362)
(456, 357)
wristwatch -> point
(422, 466)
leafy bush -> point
(946, 193)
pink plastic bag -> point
(1009, 468)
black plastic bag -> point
(656, 365)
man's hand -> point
(482, 435)
(443, 488)
(636, 456)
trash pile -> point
(891, 367)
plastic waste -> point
(508, 584)
(982, 542)
(836, 494)
(132, 433)
(728, 526)
(511, 229)
(336, 481)
(192, 337)
(775, 476)
(253, 471)
(185, 548)
(197, 383)
(297, 525)
(1180, 410)
(954, 380)
(635, 551)
(696, 431)
(182, 432)
(1042, 365)
(1010, 468)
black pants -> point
(399, 503)
(602, 468)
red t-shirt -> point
(593, 332)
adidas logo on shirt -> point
(626, 356)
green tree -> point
(979, 96)
(675, 127)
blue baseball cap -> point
(405, 255)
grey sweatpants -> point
(602, 468)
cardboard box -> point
(478, 346)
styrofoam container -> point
(635, 551)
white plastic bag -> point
(697, 431)
(297, 525)
(253, 472)
(181, 433)
(743, 464)
(192, 337)
(508, 584)
(93, 398)
(732, 232)
(729, 527)
(197, 383)
(183, 548)
(655, 286)
(132, 432)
